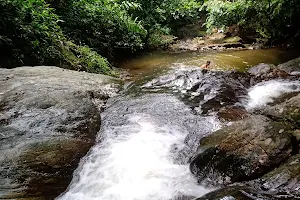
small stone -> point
(280, 110)
(296, 134)
(227, 179)
(281, 131)
(268, 141)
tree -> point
(273, 20)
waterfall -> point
(137, 156)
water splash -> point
(266, 92)
(135, 158)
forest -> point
(88, 35)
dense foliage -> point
(165, 15)
(103, 25)
(107, 25)
(30, 35)
(75, 33)
(273, 20)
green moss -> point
(215, 138)
(82, 58)
(232, 39)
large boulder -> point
(285, 108)
(262, 72)
(284, 180)
(261, 69)
(281, 183)
(291, 67)
(242, 151)
(202, 89)
(49, 120)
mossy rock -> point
(288, 109)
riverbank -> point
(212, 42)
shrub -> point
(30, 35)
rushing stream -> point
(149, 133)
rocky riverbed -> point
(192, 132)
(257, 157)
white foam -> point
(263, 93)
(136, 164)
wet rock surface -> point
(243, 150)
(283, 181)
(286, 108)
(260, 153)
(232, 113)
(232, 193)
(263, 72)
(292, 67)
(49, 119)
(204, 90)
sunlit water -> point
(144, 144)
(158, 62)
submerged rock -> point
(49, 119)
(242, 151)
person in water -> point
(205, 66)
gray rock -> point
(261, 69)
(291, 67)
(264, 72)
(242, 151)
(203, 90)
(285, 108)
(49, 120)
(233, 193)
(284, 179)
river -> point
(151, 130)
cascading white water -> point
(265, 92)
(135, 160)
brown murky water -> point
(239, 60)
